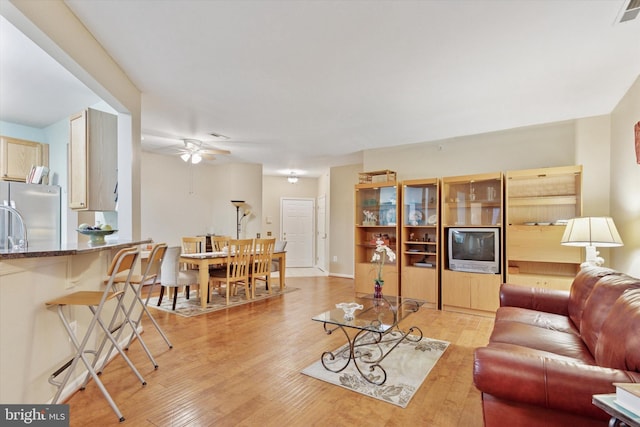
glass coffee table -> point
(366, 332)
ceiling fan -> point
(194, 151)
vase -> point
(377, 290)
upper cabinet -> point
(93, 161)
(539, 202)
(472, 200)
(17, 156)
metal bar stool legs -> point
(95, 301)
(149, 278)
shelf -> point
(542, 201)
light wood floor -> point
(241, 367)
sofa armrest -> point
(539, 299)
(560, 384)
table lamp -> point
(589, 232)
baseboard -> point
(345, 276)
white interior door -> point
(321, 233)
(297, 230)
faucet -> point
(22, 242)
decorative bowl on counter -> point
(96, 236)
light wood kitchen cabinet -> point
(539, 202)
(17, 156)
(93, 161)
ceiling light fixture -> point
(195, 158)
(293, 178)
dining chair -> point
(218, 243)
(237, 268)
(192, 245)
(261, 263)
(279, 247)
(171, 276)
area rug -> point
(191, 307)
(406, 366)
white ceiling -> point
(302, 85)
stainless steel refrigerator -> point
(39, 206)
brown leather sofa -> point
(550, 351)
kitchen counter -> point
(70, 249)
(33, 343)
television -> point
(475, 250)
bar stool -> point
(150, 278)
(124, 260)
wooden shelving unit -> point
(471, 201)
(538, 202)
(376, 215)
(420, 241)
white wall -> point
(522, 148)
(277, 187)
(625, 182)
(179, 199)
(341, 212)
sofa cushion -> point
(598, 306)
(554, 322)
(581, 288)
(619, 343)
(555, 342)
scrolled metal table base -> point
(366, 348)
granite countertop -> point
(70, 249)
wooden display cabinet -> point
(538, 204)
(419, 258)
(471, 201)
(376, 213)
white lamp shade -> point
(591, 231)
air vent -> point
(218, 136)
(631, 12)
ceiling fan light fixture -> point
(185, 157)
(196, 158)
(293, 178)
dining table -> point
(202, 260)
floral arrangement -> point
(381, 253)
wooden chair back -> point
(262, 254)
(192, 245)
(239, 259)
(219, 242)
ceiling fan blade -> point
(212, 151)
(207, 156)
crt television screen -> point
(473, 245)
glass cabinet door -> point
(473, 202)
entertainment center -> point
(457, 239)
